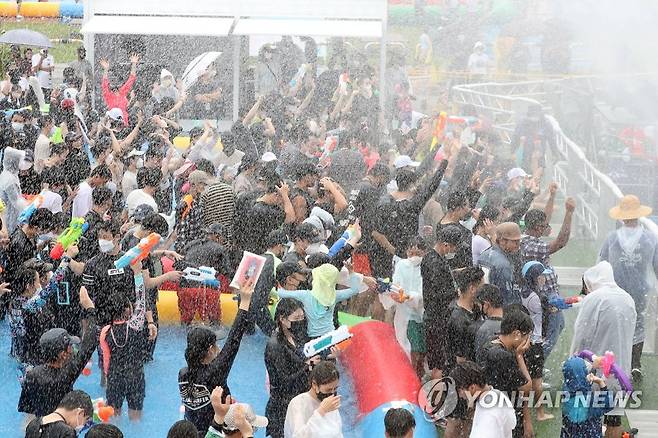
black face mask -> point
(298, 329)
(322, 395)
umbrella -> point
(25, 37)
(196, 68)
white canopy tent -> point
(243, 18)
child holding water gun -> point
(123, 345)
(408, 319)
(583, 411)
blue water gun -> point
(26, 214)
(205, 275)
(340, 243)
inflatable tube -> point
(168, 307)
(42, 9)
(387, 381)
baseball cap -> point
(516, 173)
(135, 153)
(268, 156)
(508, 231)
(141, 211)
(286, 269)
(231, 420)
(56, 340)
(306, 231)
(185, 167)
(199, 177)
(115, 114)
(534, 265)
(405, 161)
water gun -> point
(565, 303)
(86, 371)
(384, 285)
(609, 367)
(205, 275)
(72, 234)
(138, 252)
(9, 113)
(333, 338)
(26, 214)
(102, 412)
(340, 243)
(298, 76)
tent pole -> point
(382, 65)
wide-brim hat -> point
(629, 208)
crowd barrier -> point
(42, 9)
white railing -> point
(596, 193)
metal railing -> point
(505, 104)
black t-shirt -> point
(202, 252)
(77, 167)
(102, 279)
(30, 182)
(58, 429)
(461, 335)
(364, 107)
(127, 349)
(362, 205)
(464, 254)
(501, 368)
(438, 288)
(89, 240)
(262, 219)
(21, 249)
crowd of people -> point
(460, 227)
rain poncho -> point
(606, 319)
(632, 253)
(583, 409)
(10, 186)
(407, 276)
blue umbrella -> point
(25, 37)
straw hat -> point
(629, 208)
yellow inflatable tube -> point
(168, 308)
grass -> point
(53, 29)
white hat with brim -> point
(253, 419)
(405, 161)
(629, 208)
(516, 173)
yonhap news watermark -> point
(438, 399)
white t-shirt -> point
(304, 421)
(45, 77)
(52, 201)
(41, 152)
(478, 246)
(494, 416)
(234, 160)
(139, 197)
(83, 201)
(128, 182)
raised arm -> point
(565, 231)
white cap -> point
(268, 156)
(516, 173)
(135, 153)
(405, 161)
(164, 73)
(253, 419)
(478, 45)
(115, 114)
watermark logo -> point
(438, 398)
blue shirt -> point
(502, 273)
(321, 318)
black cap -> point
(286, 269)
(306, 231)
(55, 341)
(450, 234)
(141, 211)
(216, 229)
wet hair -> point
(405, 179)
(206, 166)
(380, 170)
(41, 218)
(199, 340)
(324, 372)
(110, 227)
(467, 276)
(104, 430)
(45, 119)
(317, 259)
(417, 242)
(58, 148)
(60, 220)
(456, 200)
(23, 278)
(147, 176)
(534, 218)
(488, 212)
(466, 374)
(183, 429)
(77, 399)
(398, 422)
(102, 171)
(117, 305)
(285, 308)
(155, 223)
(101, 195)
(515, 320)
(488, 293)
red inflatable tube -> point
(380, 370)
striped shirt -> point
(219, 206)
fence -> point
(596, 193)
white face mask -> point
(17, 126)
(415, 260)
(140, 163)
(105, 245)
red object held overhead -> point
(380, 369)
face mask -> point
(17, 126)
(105, 245)
(415, 260)
(313, 248)
(322, 395)
(140, 163)
(450, 256)
(298, 329)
